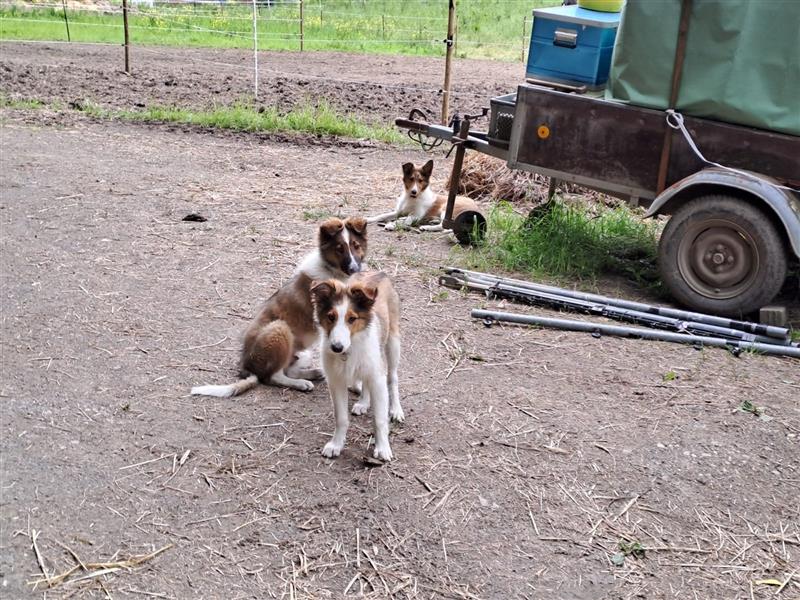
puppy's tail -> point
(226, 391)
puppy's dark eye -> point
(352, 319)
(356, 245)
(340, 248)
(331, 317)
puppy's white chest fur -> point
(416, 207)
(363, 360)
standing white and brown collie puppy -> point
(276, 340)
(360, 324)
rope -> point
(675, 121)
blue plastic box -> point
(572, 45)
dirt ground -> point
(529, 458)
(378, 88)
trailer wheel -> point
(720, 254)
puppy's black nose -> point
(336, 347)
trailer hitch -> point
(455, 122)
(418, 135)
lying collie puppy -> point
(360, 324)
(276, 340)
(418, 203)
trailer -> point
(731, 190)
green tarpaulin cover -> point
(742, 60)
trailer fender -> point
(782, 203)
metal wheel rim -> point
(718, 259)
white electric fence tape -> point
(675, 121)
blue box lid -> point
(580, 16)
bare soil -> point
(377, 88)
(528, 458)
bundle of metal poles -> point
(674, 325)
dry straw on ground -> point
(486, 177)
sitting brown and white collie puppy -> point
(360, 325)
(276, 341)
(418, 204)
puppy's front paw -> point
(305, 386)
(390, 226)
(397, 414)
(360, 408)
(332, 449)
(383, 452)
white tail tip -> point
(226, 391)
(220, 391)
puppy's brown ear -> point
(408, 168)
(427, 168)
(322, 291)
(330, 228)
(363, 294)
(357, 225)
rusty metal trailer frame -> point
(632, 153)
(616, 148)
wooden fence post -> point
(524, 28)
(66, 20)
(255, 50)
(302, 22)
(127, 36)
(451, 14)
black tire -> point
(722, 255)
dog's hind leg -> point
(268, 353)
(392, 361)
(437, 227)
(301, 367)
(282, 379)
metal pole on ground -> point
(451, 17)
(127, 36)
(66, 20)
(255, 50)
(633, 332)
(780, 333)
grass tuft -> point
(567, 240)
(20, 104)
(318, 119)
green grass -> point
(486, 29)
(315, 119)
(318, 118)
(316, 214)
(6, 102)
(567, 240)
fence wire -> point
(236, 23)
